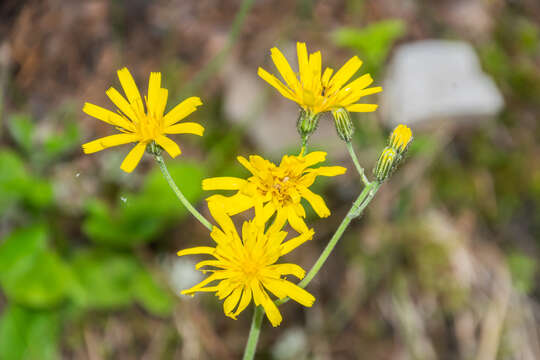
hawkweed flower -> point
(276, 189)
(139, 124)
(392, 154)
(316, 91)
(244, 267)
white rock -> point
(437, 80)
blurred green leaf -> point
(29, 335)
(16, 184)
(112, 280)
(373, 42)
(138, 218)
(31, 274)
(21, 128)
(523, 269)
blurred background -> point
(443, 264)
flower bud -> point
(307, 123)
(344, 125)
(400, 138)
(386, 163)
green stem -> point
(359, 168)
(254, 332)
(356, 210)
(179, 194)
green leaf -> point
(523, 269)
(143, 216)
(111, 280)
(40, 280)
(106, 279)
(373, 42)
(21, 128)
(151, 295)
(29, 335)
(16, 184)
(19, 246)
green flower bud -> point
(307, 124)
(386, 163)
(344, 125)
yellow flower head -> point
(273, 188)
(317, 91)
(141, 125)
(400, 138)
(245, 267)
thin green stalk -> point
(179, 194)
(359, 168)
(356, 210)
(254, 332)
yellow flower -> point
(400, 138)
(140, 125)
(274, 188)
(317, 91)
(245, 268)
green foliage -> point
(21, 129)
(145, 215)
(31, 274)
(523, 269)
(372, 42)
(28, 334)
(113, 280)
(18, 185)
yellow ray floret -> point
(317, 91)
(139, 124)
(244, 267)
(276, 189)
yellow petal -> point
(133, 158)
(107, 116)
(295, 292)
(296, 222)
(279, 221)
(244, 301)
(362, 107)
(284, 69)
(223, 183)
(181, 110)
(219, 214)
(129, 86)
(154, 85)
(234, 204)
(326, 76)
(328, 170)
(121, 103)
(272, 80)
(170, 146)
(231, 301)
(185, 128)
(108, 141)
(313, 158)
(303, 64)
(316, 202)
(357, 95)
(262, 298)
(293, 243)
(344, 74)
(288, 269)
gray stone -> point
(437, 80)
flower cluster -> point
(244, 267)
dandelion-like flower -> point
(141, 125)
(245, 267)
(317, 91)
(276, 189)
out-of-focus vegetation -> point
(444, 264)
